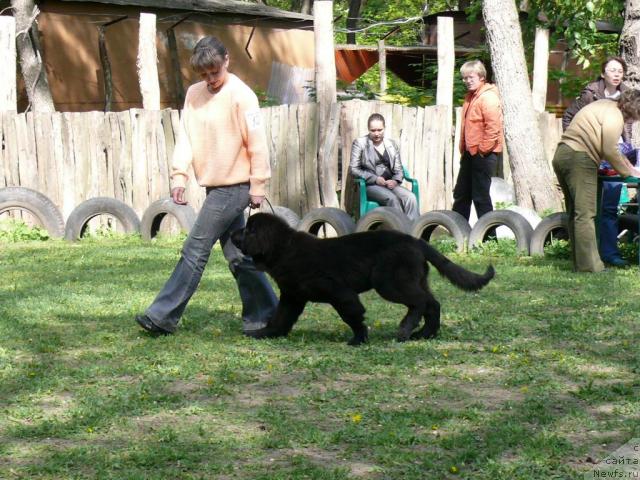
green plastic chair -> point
(367, 205)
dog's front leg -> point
(287, 314)
(352, 313)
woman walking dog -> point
(222, 136)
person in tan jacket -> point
(592, 135)
(223, 138)
(480, 141)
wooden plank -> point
(294, 180)
(10, 162)
(308, 131)
(47, 178)
(455, 161)
(57, 159)
(140, 177)
(27, 162)
(266, 117)
(396, 122)
(82, 156)
(111, 120)
(300, 126)
(348, 133)
(407, 135)
(416, 164)
(161, 157)
(279, 125)
(434, 198)
(169, 142)
(93, 163)
(68, 180)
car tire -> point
(548, 226)
(44, 211)
(457, 226)
(80, 216)
(155, 213)
(384, 218)
(338, 219)
(519, 225)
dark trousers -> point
(473, 184)
(220, 215)
(609, 221)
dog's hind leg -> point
(352, 311)
(431, 320)
(408, 324)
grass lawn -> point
(535, 377)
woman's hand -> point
(255, 201)
(177, 195)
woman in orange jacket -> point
(480, 141)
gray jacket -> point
(364, 158)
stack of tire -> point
(324, 222)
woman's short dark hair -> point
(614, 59)
(629, 104)
(375, 116)
(209, 52)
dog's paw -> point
(358, 340)
(423, 335)
(264, 333)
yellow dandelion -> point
(453, 469)
(356, 418)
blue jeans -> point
(609, 221)
(220, 215)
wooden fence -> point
(71, 157)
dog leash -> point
(259, 208)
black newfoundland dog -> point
(336, 270)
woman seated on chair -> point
(377, 160)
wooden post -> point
(382, 64)
(148, 63)
(8, 60)
(175, 66)
(540, 66)
(326, 97)
(444, 96)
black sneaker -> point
(146, 323)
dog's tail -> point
(456, 274)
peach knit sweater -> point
(222, 135)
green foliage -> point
(575, 22)
(558, 249)
(17, 231)
(499, 247)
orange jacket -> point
(482, 121)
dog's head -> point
(263, 238)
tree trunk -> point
(355, 7)
(31, 64)
(630, 51)
(533, 180)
